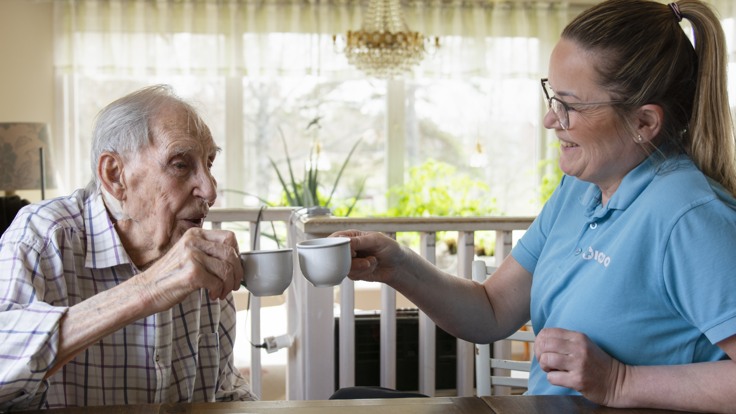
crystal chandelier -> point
(384, 47)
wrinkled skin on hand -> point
(205, 259)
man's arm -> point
(97, 317)
(202, 259)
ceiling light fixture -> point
(385, 47)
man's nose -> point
(206, 188)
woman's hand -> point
(572, 360)
(376, 257)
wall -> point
(26, 64)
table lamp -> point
(23, 146)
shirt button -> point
(156, 357)
(593, 225)
(578, 251)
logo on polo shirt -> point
(597, 256)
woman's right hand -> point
(376, 257)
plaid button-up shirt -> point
(55, 255)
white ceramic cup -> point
(324, 262)
(267, 272)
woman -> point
(627, 274)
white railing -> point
(310, 312)
(255, 225)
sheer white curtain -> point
(136, 37)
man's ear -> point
(649, 122)
(110, 171)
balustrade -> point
(311, 311)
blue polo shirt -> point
(650, 277)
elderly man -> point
(115, 294)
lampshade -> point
(23, 149)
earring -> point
(639, 138)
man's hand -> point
(207, 259)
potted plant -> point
(306, 192)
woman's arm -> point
(480, 313)
(572, 360)
(705, 386)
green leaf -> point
(339, 174)
(289, 197)
(357, 196)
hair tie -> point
(676, 10)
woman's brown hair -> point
(646, 58)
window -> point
(261, 71)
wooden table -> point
(443, 405)
(438, 405)
(553, 404)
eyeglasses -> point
(562, 109)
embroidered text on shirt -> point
(597, 256)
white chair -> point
(498, 374)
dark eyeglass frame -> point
(562, 109)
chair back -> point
(9, 207)
(499, 370)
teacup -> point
(324, 262)
(267, 272)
